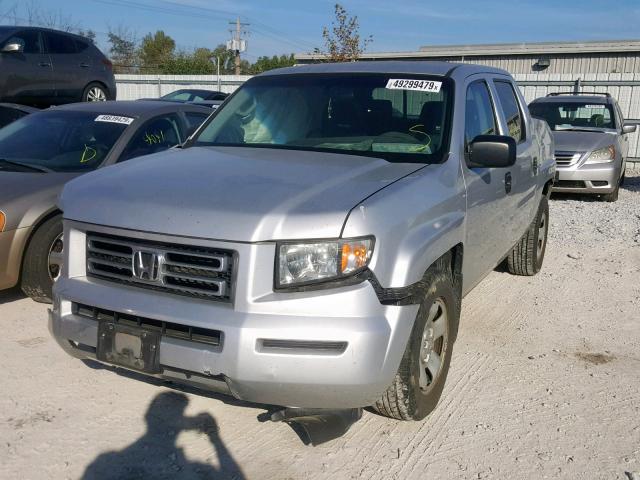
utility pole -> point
(237, 44)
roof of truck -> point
(425, 67)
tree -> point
(156, 51)
(342, 41)
(123, 50)
(88, 34)
(196, 63)
(265, 63)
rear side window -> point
(81, 45)
(158, 134)
(479, 116)
(29, 39)
(511, 110)
(195, 119)
(60, 44)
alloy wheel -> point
(96, 94)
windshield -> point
(574, 115)
(401, 118)
(62, 141)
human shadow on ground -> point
(156, 455)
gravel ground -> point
(544, 383)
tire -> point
(43, 260)
(527, 256)
(408, 398)
(613, 196)
(95, 92)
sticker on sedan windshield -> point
(420, 85)
(114, 119)
(594, 106)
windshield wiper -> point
(25, 165)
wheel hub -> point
(433, 344)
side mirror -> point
(13, 48)
(492, 151)
(627, 128)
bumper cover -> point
(598, 179)
(297, 377)
(12, 245)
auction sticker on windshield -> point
(408, 84)
(114, 119)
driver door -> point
(28, 74)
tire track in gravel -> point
(449, 415)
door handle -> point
(507, 182)
(534, 164)
(84, 65)
(44, 64)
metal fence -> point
(623, 86)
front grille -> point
(566, 159)
(167, 329)
(181, 269)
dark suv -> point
(43, 67)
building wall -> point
(582, 64)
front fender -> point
(415, 221)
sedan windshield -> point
(401, 118)
(61, 141)
(574, 115)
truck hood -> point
(231, 193)
(568, 141)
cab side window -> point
(479, 115)
(156, 135)
(29, 39)
(511, 109)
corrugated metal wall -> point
(623, 86)
(575, 64)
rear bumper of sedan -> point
(12, 243)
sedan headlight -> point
(602, 155)
(2, 221)
(312, 262)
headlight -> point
(2, 221)
(602, 155)
(313, 262)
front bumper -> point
(597, 178)
(375, 335)
(12, 243)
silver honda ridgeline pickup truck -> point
(310, 244)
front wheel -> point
(613, 196)
(42, 263)
(417, 387)
(94, 92)
(527, 256)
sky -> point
(288, 26)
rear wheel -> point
(417, 387)
(94, 92)
(527, 256)
(42, 263)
